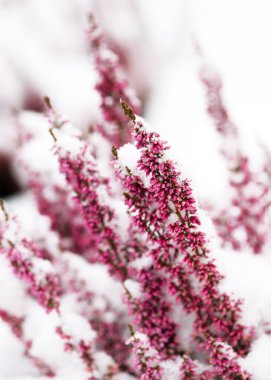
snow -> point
(36, 155)
(247, 277)
(258, 360)
(142, 263)
(25, 209)
(77, 327)
(11, 229)
(11, 351)
(34, 123)
(97, 279)
(40, 329)
(133, 288)
(128, 156)
(138, 336)
(68, 144)
(104, 362)
(67, 128)
(41, 268)
(122, 376)
(206, 224)
(12, 293)
(171, 369)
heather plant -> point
(244, 222)
(112, 86)
(15, 324)
(168, 196)
(121, 273)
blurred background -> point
(162, 46)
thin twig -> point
(52, 134)
(2, 206)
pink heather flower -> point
(54, 199)
(165, 210)
(28, 263)
(190, 370)
(83, 177)
(13, 321)
(97, 216)
(217, 109)
(153, 312)
(111, 339)
(246, 215)
(63, 216)
(112, 86)
(225, 362)
(81, 173)
(146, 358)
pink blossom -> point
(149, 207)
(29, 264)
(112, 86)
